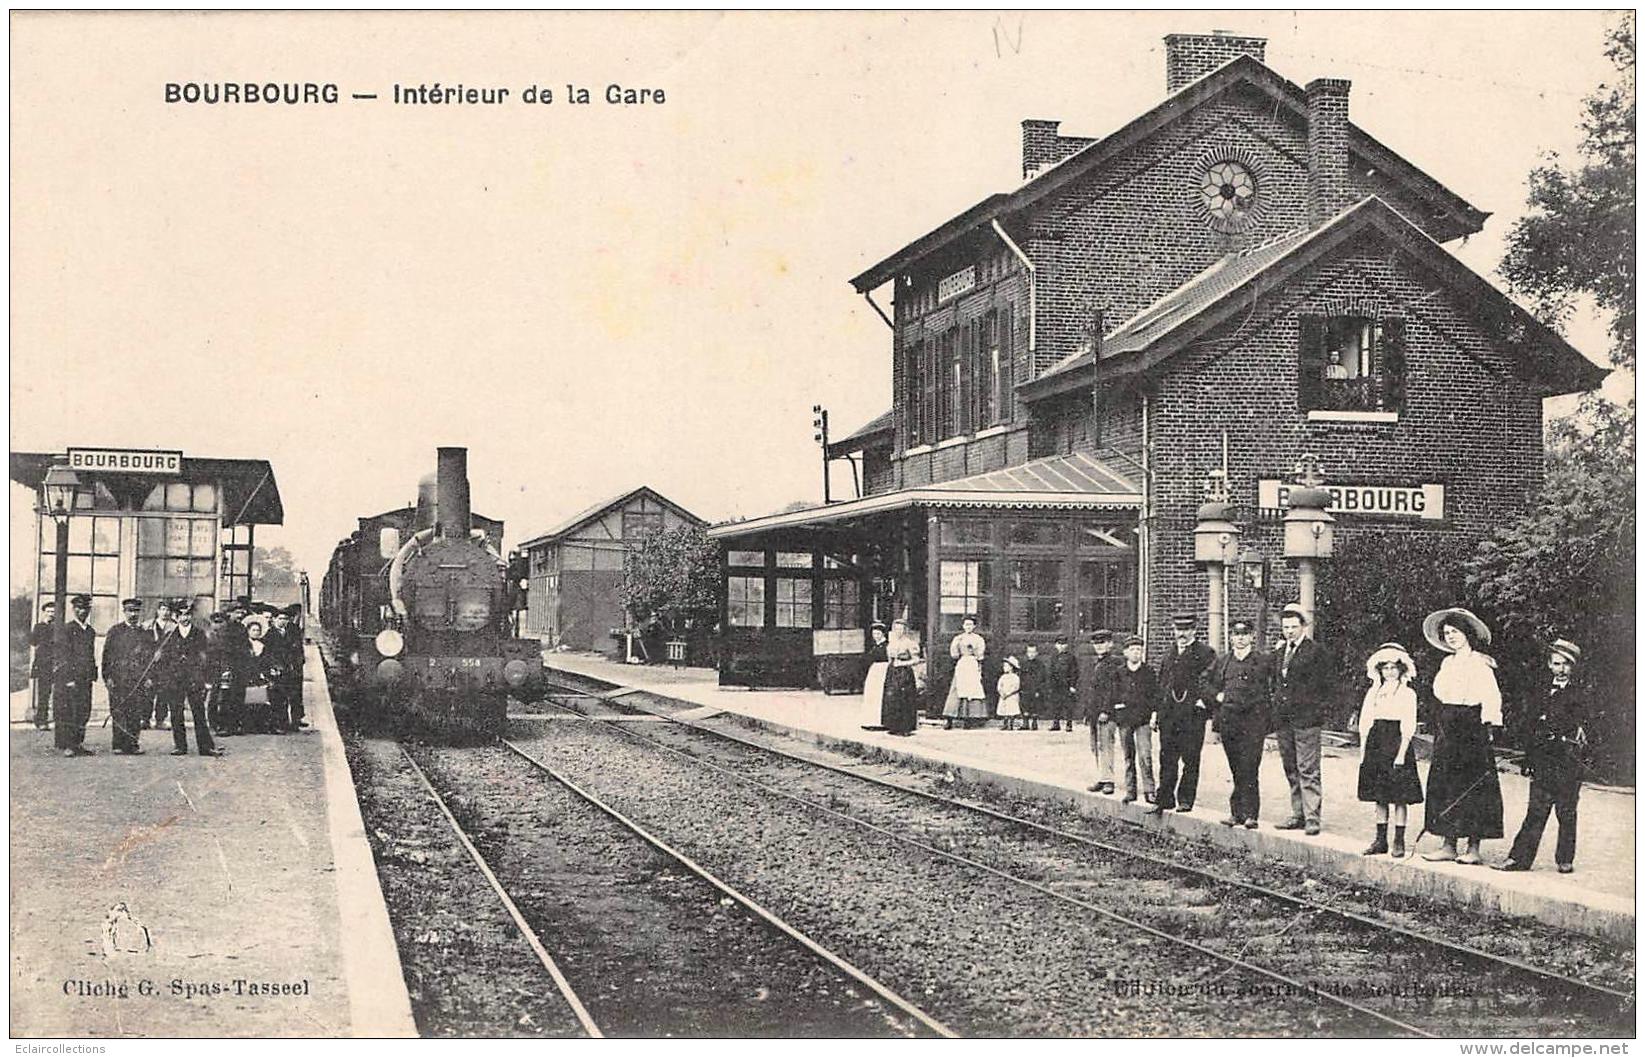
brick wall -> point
(1042, 147)
(1329, 188)
(1468, 423)
(1190, 56)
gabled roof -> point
(1235, 281)
(1456, 216)
(1079, 481)
(588, 514)
(881, 427)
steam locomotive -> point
(417, 603)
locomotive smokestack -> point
(452, 508)
(427, 499)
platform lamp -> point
(1309, 532)
(1216, 546)
(62, 489)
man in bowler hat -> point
(1553, 759)
(1182, 714)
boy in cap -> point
(1134, 688)
(76, 670)
(128, 658)
(1033, 687)
(1097, 699)
(1062, 685)
(1239, 683)
(1553, 760)
(160, 630)
(1183, 713)
(41, 637)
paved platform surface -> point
(250, 873)
(1598, 897)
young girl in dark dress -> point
(1387, 766)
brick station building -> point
(1237, 277)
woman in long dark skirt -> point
(899, 708)
(1387, 766)
(1464, 797)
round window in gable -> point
(1228, 195)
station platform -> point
(250, 874)
(1597, 899)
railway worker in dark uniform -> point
(1134, 688)
(1033, 687)
(128, 666)
(1182, 716)
(1239, 683)
(1062, 685)
(76, 671)
(160, 630)
(1553, 759)
(231, 658)
(186, 678)
(40, 667)
(1096, 698)
(282, 654)
(1302, 685)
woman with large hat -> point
(1464, 799)
(1387, 766)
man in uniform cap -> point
(1240, 683)
(41, 667)
(1553, 759)
(1062, 684)
(76, 670)
(1097, 699)
(128, 660)
(1302, 685)
(1182, 716)
(186, 681)
(231, 660)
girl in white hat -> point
(1387, 721)
(1010, 691)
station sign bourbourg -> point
(1387, 501)
(125, 461)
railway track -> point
(645, 942)
(1408, 981)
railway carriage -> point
(418, 603)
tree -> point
(273, 575)
(672, 579)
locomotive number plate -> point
(462, 663)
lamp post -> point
(1216, 545)
(62, 491)
(819, 425)
(1308, 531)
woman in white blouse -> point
(1464, 798)
(1387, 767)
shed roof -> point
(588, 514)
(250, 495)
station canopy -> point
(250, 495)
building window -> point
(745, 602)
(175, 558)
(988, 372)
(1108, 596)
(1038, 534)
(639, 523)
(793, 602)
(236, 563)
(840, 604)
(793, 560)
(1036, 595)
(94, 565)
(965, 588)
(966, 531)
(1350, 363)
(200, 498)
(756, 559)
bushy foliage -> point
(671, 579)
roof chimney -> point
(1329, 189)
(1190, 56)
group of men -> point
(153, 669)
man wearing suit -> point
(1182, 715)
(1302, 685)
(128, 657)
(1062, 684)
(76, 671)
(1098, 699)
(1240, 683)
(282, 660)
(1553, 759)
(40, 669)
(186, 677)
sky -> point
(592, 298)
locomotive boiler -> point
(423, 611)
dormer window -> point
(1351, 363)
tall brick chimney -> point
(1042, 147)
(1190, 56)
(1329, 190)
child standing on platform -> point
(1010, 689)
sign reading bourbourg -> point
(125, 461)
(1385, 501)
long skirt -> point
(899, 705)
(873, 693)
(966, 698)
(1464, 798)
(1381, 781)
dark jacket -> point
(41, 639)
(1134, 695)
(79, 663)
(1246, 686)
(282, 656)
(1182, 677)
(1062, 681)
(1302, 690)
(227, 657)
(183, 660)
(1095, 693)
(1555, 717)
(127, 653)
(1032, 694)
